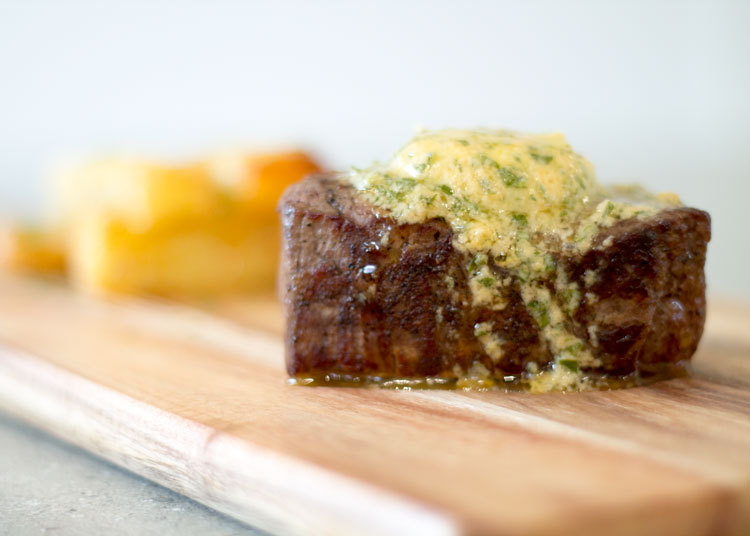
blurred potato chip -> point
(25, 249)
(140, 192)
(258, 180)
(192, 258)
(183, 231)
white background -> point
(651, 91)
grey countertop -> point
(49, 487)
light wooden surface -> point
(199, 403)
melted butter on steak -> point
(515, 203)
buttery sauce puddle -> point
(511, 383)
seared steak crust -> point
(365, 296)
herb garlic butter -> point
(515, 201)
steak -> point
(369, 298)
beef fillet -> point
(366, 297)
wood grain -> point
(197, 400)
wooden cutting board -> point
(199, 402)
